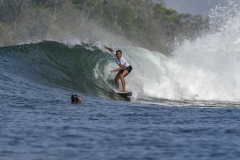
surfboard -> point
(124, 93)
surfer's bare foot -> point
(123, 91)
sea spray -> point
(208, 68)
(205, 69)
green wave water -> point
(58, 65)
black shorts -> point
(129, 69)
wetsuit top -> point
(121, 61)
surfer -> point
(124, 68)
(75, 99)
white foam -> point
(206, 69)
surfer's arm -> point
(119, 69)
(110, 49)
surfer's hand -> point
(112, 71)
(108, 48)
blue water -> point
(39, 122)
(108, 129)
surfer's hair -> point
(119, 51)
(74, 98)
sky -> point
(191, 6)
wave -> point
(58, 65)
(202, 70)
(86, 68)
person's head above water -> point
(75, 99)
(119, 54)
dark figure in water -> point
(75, 99)
(123, 70)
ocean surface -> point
(39, 122)
(185, 106)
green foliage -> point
(141, 21)
(164, 13)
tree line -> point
(142, 22)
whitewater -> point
(206, 69)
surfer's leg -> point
(124, 74)
(116, 79)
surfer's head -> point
(119, 54)
(76, 99)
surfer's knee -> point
(76, 99)
(122, 77)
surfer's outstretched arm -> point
(119, 69)
(110, 49)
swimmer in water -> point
(75, 99)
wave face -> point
(58, 65)
(84, 68)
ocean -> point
(39, 122)
(184, 106)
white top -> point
(121, 61)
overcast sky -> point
(191, 6)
